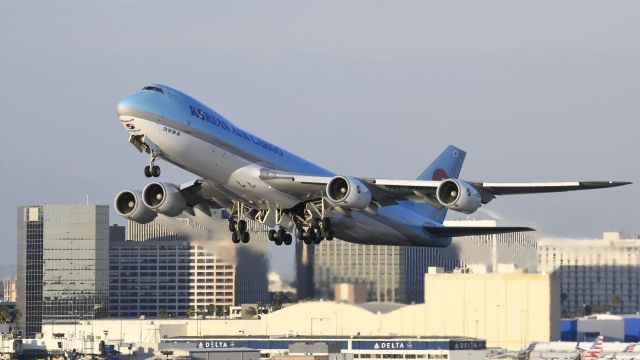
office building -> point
(62, 264)
(597, 275)
(165, 274)
(177, 228)
(8, 291)
(304, 263)
(396, 273)
(520, 249)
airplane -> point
(594, 352)
(255, 179)
(627, 353)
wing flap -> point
(455, 231)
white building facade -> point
(597, 275)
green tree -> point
(162, 314)
(5, 315)
(276, 302)
(210, 310)
(220, 311)
(191, 312)
(16, 315)
(251, 311)
(616, 302)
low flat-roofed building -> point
(509, 310)
(350, 347)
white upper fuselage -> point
(192, 136)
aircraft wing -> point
(389, 191)
(454, 231)
(203, 195)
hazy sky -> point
(533, 91)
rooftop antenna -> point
(87, 199)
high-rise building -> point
(8, 291)
(519, 249)
(391, 273)
(396, 273)
(596, 275)
(63, 255)
(304, 282)
(163, 272)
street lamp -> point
(498, 324)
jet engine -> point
(459, 196)
(348, 192)
(164, 198)
(129, 205)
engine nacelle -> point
(164, 198)
(459, 196)
(348, 192)
(130, 206)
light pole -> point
(498, 324)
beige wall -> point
(508, 310)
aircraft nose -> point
(125, 106)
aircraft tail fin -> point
(594, 351)
(446, 166)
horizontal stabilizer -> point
(453, 231)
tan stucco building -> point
(508, 310)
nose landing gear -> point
(152, 170)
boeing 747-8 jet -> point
(255, 179)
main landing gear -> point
(238, 228)
(319, 230)
(239, 231)
(280, 237)
(152, 170)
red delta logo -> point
(439, 174)
(130, 126)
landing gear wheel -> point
(272, 235)
(288, 239)
(245, 237)
(315, 223)
(281, 234)
(147, 171)
(328, 234)
(242, 226)
(326, 224)
(232, 225)
(234, 238)
(278, 241)
(311, 235)
(155, 171)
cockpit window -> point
(153, 88)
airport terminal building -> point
(349, 347)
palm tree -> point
(616, 302)
(5, 315)
(162, 314)
(16, 315)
